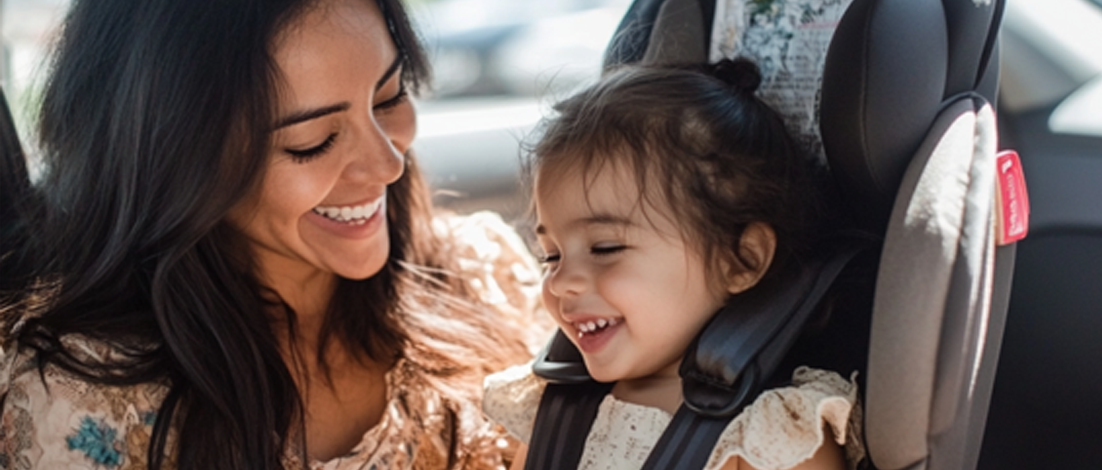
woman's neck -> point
(307, 290)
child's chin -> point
(602, 374)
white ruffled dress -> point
(780, 429)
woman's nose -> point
(567, 279)
(379, 157)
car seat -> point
(907, 128)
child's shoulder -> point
(787, 425)
(512, 397)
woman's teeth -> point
(594, 326)
(356, 215)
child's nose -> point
(567, 279)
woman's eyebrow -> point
(390, 71)
(308, 114)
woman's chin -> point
(363, 271)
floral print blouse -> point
(55, 420)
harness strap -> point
(687, 441)
(565, 415)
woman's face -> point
(344, 124)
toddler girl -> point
(659, 194)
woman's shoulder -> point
(511, 398)
(787, 425)
(50, 418)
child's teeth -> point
(602, 323)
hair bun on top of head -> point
(740, 73)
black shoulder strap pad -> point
(728, 363)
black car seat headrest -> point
(891, 66)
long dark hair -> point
(718, 156)
(155, 121)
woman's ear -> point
(756, 247)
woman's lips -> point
(355, 227)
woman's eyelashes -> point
(398, 99)
(305, 155)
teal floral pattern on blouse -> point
(97, 441)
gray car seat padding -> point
(933, 294)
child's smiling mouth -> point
(594, 326)
(594, 333)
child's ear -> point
(756, 247)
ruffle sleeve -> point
(512, 398)
(785, 426)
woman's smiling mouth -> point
(356, 215)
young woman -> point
(230, 260)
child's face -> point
(622, 283)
